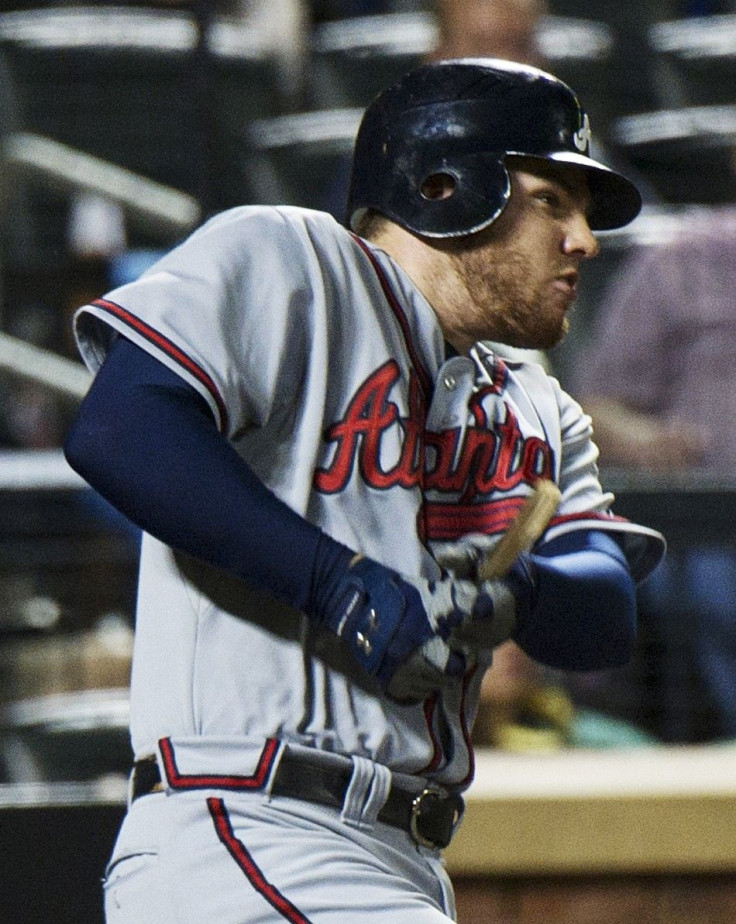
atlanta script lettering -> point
(472, 464)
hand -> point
(510, 595)
(398, 629)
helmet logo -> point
(583, 135)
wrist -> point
(332, 560)
(522, 582)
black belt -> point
(430, 815)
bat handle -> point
(524, 531)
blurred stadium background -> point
(122, 126)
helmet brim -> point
(616, 200)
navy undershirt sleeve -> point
(148, 443)
(583, 613)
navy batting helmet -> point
(462, 119)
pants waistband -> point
(431, 815)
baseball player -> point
(309, 425)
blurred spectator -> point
(526, 707)
(328, 10)
(658, 375)
(658, 380)
(489, 29)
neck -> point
(429, 268)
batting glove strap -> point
(397, 630)
(379, 615)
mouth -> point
(568, 283)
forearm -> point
(147, 442)
(581, 614)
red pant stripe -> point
(245, 861)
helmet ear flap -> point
(440, 200)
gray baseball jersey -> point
(325, 367)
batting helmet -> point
(462, 119)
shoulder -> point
(574, 421)
(273, 243)
(270, 225)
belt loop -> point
(359, 792)
(380, 788)
(130, 793)
(273, 772)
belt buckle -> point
(433, 794)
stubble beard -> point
(505, 306)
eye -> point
(549, 197)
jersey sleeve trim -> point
(586, 515)
(643, 547)
(453, 521)
(172, 351)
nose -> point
(579, 239)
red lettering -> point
(360, 435)
(486, 459)
(408, 471)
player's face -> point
(519, 277)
